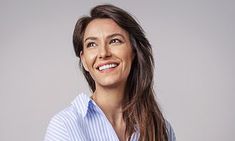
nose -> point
(104, 52)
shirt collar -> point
(83, 103)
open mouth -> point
(107, 66)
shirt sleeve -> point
(56, 130)
(170, 132)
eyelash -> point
(91, 44)
(115, 41)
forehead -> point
(103, 27)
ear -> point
(83, 61)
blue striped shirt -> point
(85, 121)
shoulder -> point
(170, 132)
(75, 112)
(60, 124)
(63, 124)
(68, 115)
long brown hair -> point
(140, 108)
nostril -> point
(104, 53)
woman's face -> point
(107, 53)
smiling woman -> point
(107, 54)
(116, 59)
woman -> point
(116, 60)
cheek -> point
(127, 58)
(130, 58)
(90, 58)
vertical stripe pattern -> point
(83, 121)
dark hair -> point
(140, 108)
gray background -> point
(193, 43)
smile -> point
(107, 66)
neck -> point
(110, 101)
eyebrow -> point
(109, 36)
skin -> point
(104, 43)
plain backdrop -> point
(193, 44)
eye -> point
(115, 41)
(91, 44)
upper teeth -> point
(107, 66)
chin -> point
(110, 84)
